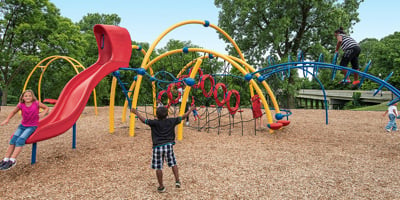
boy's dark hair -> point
(162, 112)
(340, 30)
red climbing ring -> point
(170, 96)
(203, 78)
(275, 126)
(217, 86)
(200, 72)
(284, 122)
(228, 103)
(160, 94)
(50, 101)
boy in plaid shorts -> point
(163, 137)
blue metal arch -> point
(268, 71)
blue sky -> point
(146, 20)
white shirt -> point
(391, 110)
(180, 90)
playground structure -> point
(237, 63)
(114, 45)
(43, 65)
(114, 52)
(249, 74)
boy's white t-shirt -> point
(391, 108)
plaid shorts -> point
(161, 153)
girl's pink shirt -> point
(30, 115)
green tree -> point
(281, 28)
(370, 48)
(29, 32)
(385, 56)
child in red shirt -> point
(256, 108)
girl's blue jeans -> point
(21, 134)
(392, 123)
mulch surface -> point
(350, 158)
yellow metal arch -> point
(146, 64)
(264, 83)
(112, 96)
(43, 64)
(247, 66)
(227, 58)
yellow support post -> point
(185, 98)
(112, 102)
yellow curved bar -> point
(244, 72)
(112, 103)
(145, 61)
(237, 66)
(50, 59)
(236, 48)
(264, 83)
(131, 87)
(189, 64)
(153, 88)
(134, 103)
(137, 88)
(185, 98)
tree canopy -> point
(280, 28)
(31, 31)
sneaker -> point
(355, 85)
(2, 162)
(387, 130)
(178, 184)
(8, 165)
(161, 189)
(356, 82)
(187, 123)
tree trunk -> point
(4, 97)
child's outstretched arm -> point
(45, 110)
(16, 109)
(134, 111)
(385, 113)
(188, 112)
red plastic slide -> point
(115, 48)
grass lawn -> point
(379, 107)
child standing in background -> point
(159, 103)
(392, 110)
(195, 113)
(256, 108)
(29, 106)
